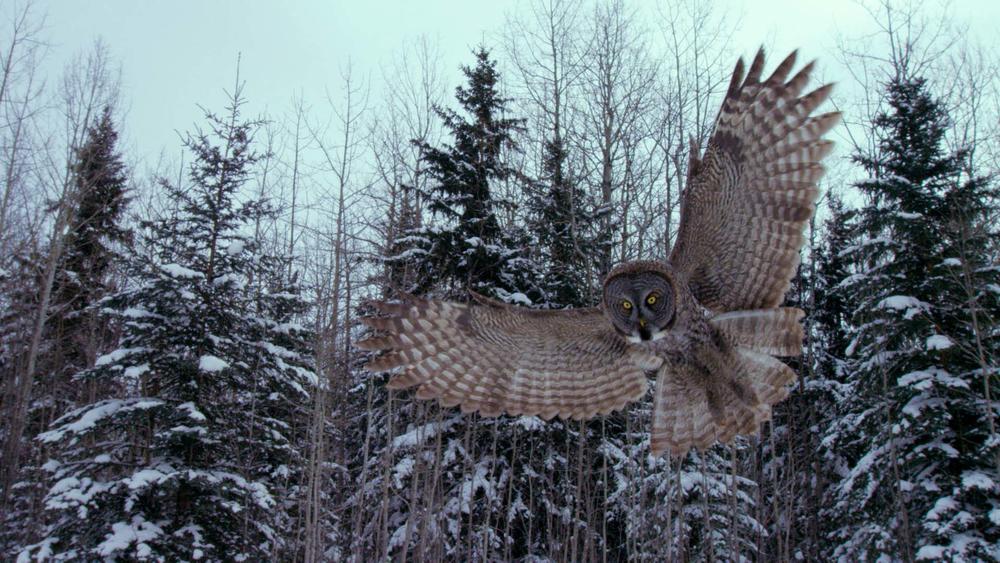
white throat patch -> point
(636, 339)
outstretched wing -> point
(493, 358)
(748, 200)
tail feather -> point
(769, 377)
(698, 404)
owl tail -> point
(731, 390)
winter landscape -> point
(183, 270)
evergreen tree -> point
(192, 461)
(468, 248)
(913, 438)
(101, 182)
(563, 219)
(831, 309)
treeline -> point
(179, 380)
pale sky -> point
(178, 54)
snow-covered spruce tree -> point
(467, 246)
(914, 439)
(831, 309)
(563, 220)
(187, 463)
(86, 264)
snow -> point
(924, 379)
(178, 271)
(234, 279)
(145, 477)
(192, 411)
(941, 507)
(421, 433)
(911, 305)
(136, 371)
(123, 535)
(117, 356)
(235, 247)
(136, 313)
(519, 298)
(402, 470)
(951, 262)
(478, 481)
(406, 255)
(211, 364)
(932, 552)
(939, 342)
(88, 417)
(918, 404)
(977, 480)
(531, 423)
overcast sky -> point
(178, 54)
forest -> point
(179, 379)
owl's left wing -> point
(493, 358)
(748, 200)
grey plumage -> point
(707, 322)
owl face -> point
(641, 305)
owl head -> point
(641, 303)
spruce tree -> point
(191, 461)
(101, 182)
(468, 248)
(563, 220)
(831, 308)
(912, 438)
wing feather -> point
(749, 197)
(495, 358)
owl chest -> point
(682, 346)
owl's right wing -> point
(494, 358)
(749, 198)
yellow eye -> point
(627, 305)
(651, 300)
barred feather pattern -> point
(494, 358)
(749, 198)
(723, 393)
(770, 331)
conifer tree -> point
(192, 460)
(468, 248)
(831, 309)
(563, 219)
(913, 440)
(93, 244)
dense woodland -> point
(179, 380)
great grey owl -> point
(707, 323)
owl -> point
(707, 323)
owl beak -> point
(644, 332)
